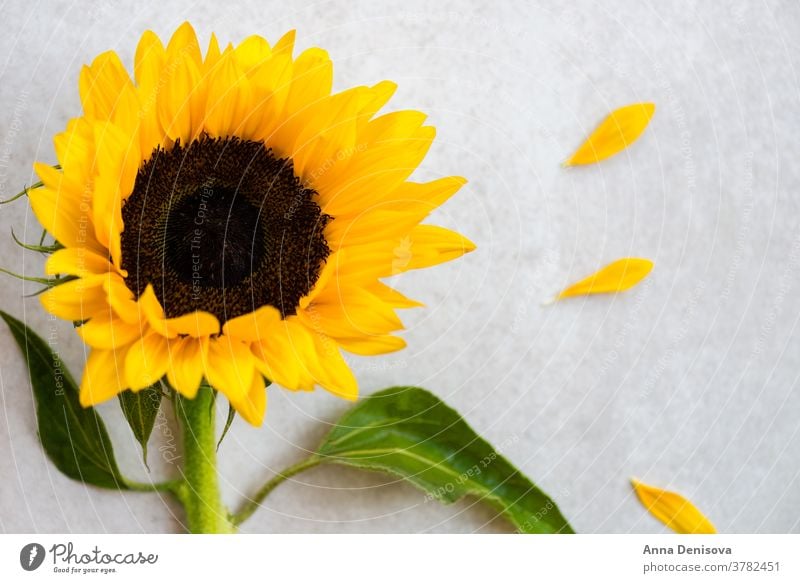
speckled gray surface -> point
(689, 381)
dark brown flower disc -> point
(224, 226)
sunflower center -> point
(216, 231)
(224, 226)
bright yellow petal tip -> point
(619, 130)
(615, 277)
(675, 511)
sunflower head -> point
(227, 218)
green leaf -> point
(74, 438)
(409, 432)
(140, 410)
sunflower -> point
(228, 219)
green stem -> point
(200, 495)
(173, 486)
(254, 503)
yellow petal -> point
(195, 324)
(107, 93)
(312, 79)
(69, 187)
(318, 360)
(311, 82)
(230, 367)
(429, 245)
(254, 404)
(254, 326)
(121, 299)
(67, 220)
(116, 162)
(146, 361)
(148, 70)
(275, 360)
(181, 100)
(187, 358)
(79, 299)
(388, 155)
(615, 277)
(330, 370)
(392, 214)
(423, 246)
(75, 150)
(372, 345)
(672, 509)
(212, 55)
(184, 42)
(287, 355)
(619, 130)
(269, 84)
(76, 261)
(380, 95)
(148, 61)
(229, 98)
(356, 313)
(329, 128)
(392, 296)
(252, 52)
(285, 44)
(102, 376)
(107, 331)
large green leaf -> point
(409, 432)
(74, 438)
(141, 409)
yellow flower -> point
(228, 218)
(673, 510)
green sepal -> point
(141, 409)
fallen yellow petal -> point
(615, 277)
(672, 509)
(619, 130)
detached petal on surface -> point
(615, 277)
(619, 130)
(673, 510)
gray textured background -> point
(688, 381)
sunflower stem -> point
(205, 512)
(254, 503)
(173, 487)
